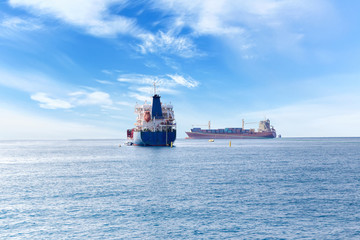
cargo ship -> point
(155, 124)
(265, 130)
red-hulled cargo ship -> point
(265, 130)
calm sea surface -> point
(295, 188)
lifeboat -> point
(147, 116)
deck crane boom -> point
(243, 123)
(202, 125)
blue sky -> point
(75, 69)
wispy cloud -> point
(169, 80)
(93, 98)
(189, 82)
(50, 103)
(255, 23)
(91, 15)
(19, 24)
(137, 78)
(167, 43)
(243, 25)
(95, 17)
(141, 84)
(107, 72)
(75, 99)
(140, 97)
(104, 82)
(18, 30)
(50, 94)
(150, 64)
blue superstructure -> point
(156, 108)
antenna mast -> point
(154, 88)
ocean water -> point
(289, 188)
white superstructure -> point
(145, 122)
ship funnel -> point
(156, 108)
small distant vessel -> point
(128, 143)
(155, 124)
(211, 140)
(265, 130)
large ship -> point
(265, 130)
(155, 124)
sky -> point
(76, 69)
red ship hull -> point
(202, 135)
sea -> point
(288, 188)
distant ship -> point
(265, 130)
(155, 125)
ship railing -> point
(170, 124)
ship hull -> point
(144, 138)
(199, 135)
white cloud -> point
(137, 78)
(95, 17)
(243, 25)
(93, 98)
(140, 97)
(141, 84)
(189, 83)
(255, 23)
(76, 99)
(42, 89)
(19, 24)
(169, 80)
(91, 15)
(150, 64)
(227, 16)
(167, 43)
(104, 82)
(107, 72)
(50, 103)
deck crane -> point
(202, 125)
(243, 123)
